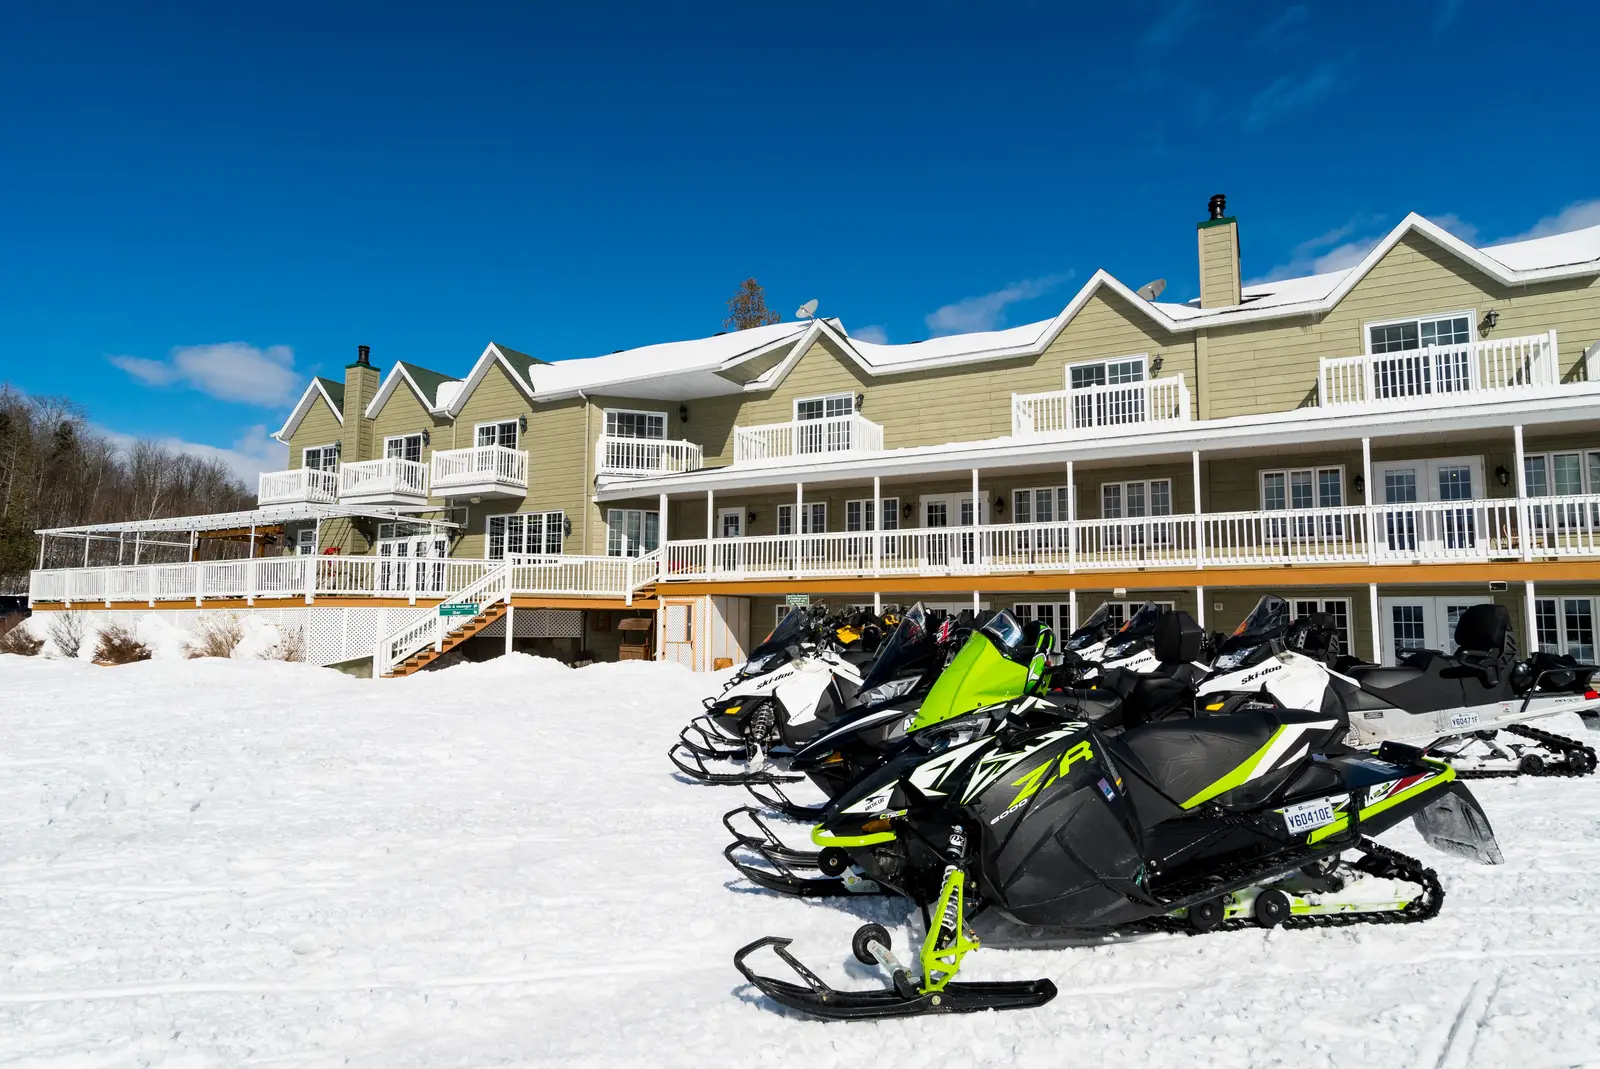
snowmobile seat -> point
(1486, 645)
(1181, 758)
(1178, 638)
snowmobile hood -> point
(979, 675)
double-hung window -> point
(321, 457)
(627, 423)
(1573, 474)
(861, 516)
(820, 426)
(1107, 393)
(1413, 357)
(1040, 505)
(534, 534)
(503, 433)
(1303, 490)
(813, 518)
(1132, 501)
(403, 447)
(632, 532)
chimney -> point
(1219, 256)
(361, 381)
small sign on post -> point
(459, 608)
(797, 601)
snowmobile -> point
(1261, 816)
(1100, 644)
(794, 685)
(1455, 706)
(982, 675)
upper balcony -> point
(1095, 409)
(615, 455)
(309, 486)
(390, 481)
(480, 471)
(806, 437)
(1441, 375)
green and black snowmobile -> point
(1261, 816)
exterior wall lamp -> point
(427, 438)
(566, 526)
(861, 399)
(751, 518)
(1491, 319)
(338, 449)
(905, 510)
(1359, 482)
(999, 505)
(1503, 475)
(522, 423)
(1155, 364)
(683, 413)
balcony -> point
(481, 471)
(645, 456)
(1441, 374)
(806, 437)
(298, 486)
(390, 481)
(1099, 409)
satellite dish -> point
(1151, 290)
(807, 310)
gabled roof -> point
(426, 384)
(330, 391)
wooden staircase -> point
(468, 627)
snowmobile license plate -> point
(1309, 815)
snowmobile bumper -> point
(782, 878)
(708, 743)
(693, 765)
(817, 999)
(1456, 824)
(806, 814)
(765, 840)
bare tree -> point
(748, 308)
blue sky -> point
(204, 204)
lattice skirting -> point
(329, 634)
(540, 623)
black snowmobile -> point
(795, 685)
(1261, 816)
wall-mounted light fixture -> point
(1360, 482)
(1155, 365)
(566, 525)
(905, 510)
(683, 413)
(999, 505)
(338, 448)
(1491, 319)
(427, 438)
(861, 399)
(751, 518)
(1503, 475)
(522, 423)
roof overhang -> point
(490, 356)
(271, 515)
(390, 383)
(303, 406)
(1570, 403)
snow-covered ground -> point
(244, 863)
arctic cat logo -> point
(1034, 781)
(1253, 676)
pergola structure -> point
(222, 525)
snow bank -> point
(234, 863)
(168, 637)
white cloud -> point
(252, 453)
(1172, 26)
(228, 371)
(1285, 24)
(1290, 94)
(987, 312)
(1331, 250)
(1584, 213)
(876, 335)
(1456, 225)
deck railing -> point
(310, 485)
(1482, 369)
(645, 456)
(480, 464)
(1096, 408)
(806, 437)
(388, 476)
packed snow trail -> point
(221, 863)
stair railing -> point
(431, 626)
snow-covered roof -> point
(662, 358)
(1555, 250)
(883, 355)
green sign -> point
(797, 601)
(460, 608)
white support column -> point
(1072, 610)
(799, 522)
(1524, 519)
(711, 525)
(877, 534)
(511, 626)
(41, 551)
(1377, 624)
(86, 551)
(121, 545)
(976, 603)
(1199, 531)
(1072, 526)
(1366, 500)
(877, 603)
(1200, 605)
(250, 570)
(138, 547)
(977, 518)
(194, 539)
(1528, 615)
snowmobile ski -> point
(766, 841)
(782, 878)
(904, 999)
(699, 772)
(786, 806)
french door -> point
(1421, 623)
(957, 546)
(1418, 517)
(414, 563)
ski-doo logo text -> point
(1253, 676)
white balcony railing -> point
(1097, 408)
(645, 456)
(389, 477)
(307, 485)
(480, 465)
(1496, 367)
(806, 437)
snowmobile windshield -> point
(1143, 623)
(1251, 641)
(981, 674)
(792, 630)
(910, 642)
(1095, 628)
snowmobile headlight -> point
(757, 665)
(1120, 649)
(887, 692)
(1227, 662)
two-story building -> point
(1389, 443)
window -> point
(1107, 406)
(533, 534)
(1338, 608)
(1106, 372)
(1303, 488)
(632, 532)
(321, 457)
(814, 518)
(1410, 633)
(1043, 504)
(1560, 474)
(859, 515)
(305, 541)
(503, 433)
(403, 447)
(1151, 497)
(730, 523)
(1446, 368)
(1058, 614)
(627, 423)
(1566, 625)
(826, 407)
